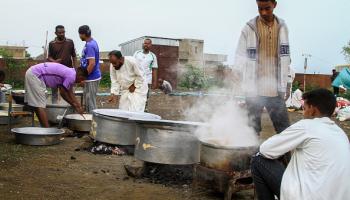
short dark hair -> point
(323, 99)
(85, 30)
(82, 72)
(273, 1)
(149, 39)
(116, 53)
(59, 27)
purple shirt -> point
(55, 75)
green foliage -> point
(295, 85)
(194, 78)
(13, 66)
(105, 80)
(346, 51)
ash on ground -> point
(168, 175)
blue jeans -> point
(267, 175)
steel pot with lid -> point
(167, 142)
(113, 126)
(226, 158)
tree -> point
(346, 51)
(13, 66)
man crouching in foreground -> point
(52, 75)
(320, 164)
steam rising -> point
(227, 119)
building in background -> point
(175, 54)
(17, 52)
(339, 68)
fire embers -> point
(168, 175)
(109, 149)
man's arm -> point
(288, 140)
(68, 95)
(139, 78)
(74, 56)
(155, 70)
(50, 54)
(91, 65)
(115, 87)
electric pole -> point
(306, 56)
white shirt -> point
(296, 99)
(127, 75)
(147, 63)
(320, 165)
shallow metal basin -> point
(37, 136)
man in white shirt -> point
(164, 86)
(320, 165)
(148, 61)
(148, 64)
(295, 101)
(128, 81)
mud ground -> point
(60, 172)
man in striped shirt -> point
(264, 60)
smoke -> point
(228, 121)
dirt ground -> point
(60, 172)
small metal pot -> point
(167, 142)
(15, 107)
(226, 158)
(37, 136)
(76, 122)
(55, 110)
(113, 126)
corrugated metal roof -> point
(155, 41)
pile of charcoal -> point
(109, 149)
(168, 175)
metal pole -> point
(305, 68)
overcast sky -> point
(316, 27)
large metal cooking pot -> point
(55, 110)
(76, 122)
(37, 136)
(226, 158)
(18, 96)
(15, 107)
(114, 127)
(167, 142)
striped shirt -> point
(268, 63)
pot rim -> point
(122, 114)
(24, 131)
(217, 146)
(48, 105)
(162, 122)
(70, 118)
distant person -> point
(2, 85)
(320, 164)
(165, 86)
(295, 101)
(61, 50)
(51, 75)
(333, 77)
(148, 64)
(128, 81)
(90, 60)
(263, 58)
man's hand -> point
(79, 110)
(2, 85)
(81, 84)
(132, 88)
(112, 99)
